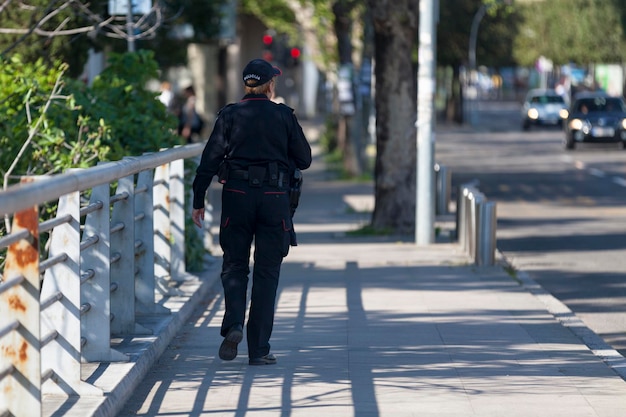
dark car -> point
(543, 107)
(596, 118)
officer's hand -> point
(197, 216)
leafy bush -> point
(137, 121)
(49, 123)
(36, 135)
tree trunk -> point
(455, 100)
(395, 35)
(345, 130)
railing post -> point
(20, 388)
(145, 284)
(96, 291)
(177, 219)
(61, 282)
(162, 236)
(123, 260)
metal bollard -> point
(464, 212)
(476, 224)
(460, 215)
(476, 199)
(486, 237)
(442, 188)
(461, 212)
(466, 223)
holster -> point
(295, 190)
(293, 241)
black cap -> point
(258, 72)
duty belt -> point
(238, 174)
(244, 174)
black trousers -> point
(263, 214)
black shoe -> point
(268, 359)
(228, 348)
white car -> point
(543, 107)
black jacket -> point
(255, 131)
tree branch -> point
(105, 26)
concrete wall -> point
(203, 68)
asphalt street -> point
(561, 214)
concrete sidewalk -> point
(383, 329)
(370, 327)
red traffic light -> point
(295, 53)
(268, 39)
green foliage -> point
(203, 16)
(275, 14)
(194, 245)
(593, 33)
(37, 26)
(194, 248)
(49, 123)
(495, 35)
(283, 17)
(53, 123)
(37, 134)
(137, 122)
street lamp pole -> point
(474, 35)
(474, 30)
(424, 206)
(472, 59)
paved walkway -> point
(369, 327)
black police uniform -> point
(257, 140)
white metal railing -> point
(105, 259)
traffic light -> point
(268, 47)
(294, 58)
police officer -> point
(253, 144)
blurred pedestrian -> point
(166, 96)
(189, 121)
(251, 148)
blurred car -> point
(543, 107)
(596, 118)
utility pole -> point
(425, 204)
(130, 30)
